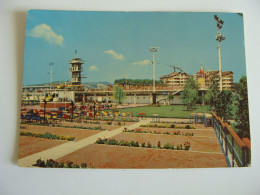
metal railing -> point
(237, 151)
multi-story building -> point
(176, 79)
(205, 79)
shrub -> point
(186, 145)
(136, 144)
(179, 147)
(189, 134)
(188, 127)
(47, 135)
(132, 143)
(172, 125)
(83, 165)
(75, 166)
(143, 144)
(167, 146)
(60, 165)
(50, 163)
(68, 164)
(40, 163)
(149, 145)
(112, 142)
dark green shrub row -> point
(167, 126)
(89, 128)
(176, 122)
(157, 132)
(148, 145)
(50, 163)
(46, 135)
(113, 119)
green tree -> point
(212, 94)
(190, 94)
(224, 105)
(119, 94)
(242, 111)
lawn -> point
(172, 111)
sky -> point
(116, 45)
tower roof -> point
(76, 61)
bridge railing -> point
(236, 150)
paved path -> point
(69, 147)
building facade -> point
(176, 79)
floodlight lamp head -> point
(154, 49)
(216, 17)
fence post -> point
(243, 156)
(225, 138)
(247, 156)
(233, 152)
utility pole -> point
(51, 64)
(219, 38)
(154, 49)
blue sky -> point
(113, 44)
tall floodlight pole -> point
(219, 38)
(154, 49)
(51, 64)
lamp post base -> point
(154, 98)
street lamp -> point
(219, 38)
(154, 49)
(72, 105)
(45, 102)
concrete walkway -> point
(70, 146)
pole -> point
(154, 49)
(153, 72)
(220, 71)
(51, 64)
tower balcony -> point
(76, 69)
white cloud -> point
(115, 55)
(45, 32)
(143, 63)
(93, 68)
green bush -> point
(167, 146)
(188, 127)
(172, 125)
(83, 165)
(75, 166)
(179, 147)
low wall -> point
(56, 104)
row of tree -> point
(222, 102)
(137, 82)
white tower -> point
(76, 69)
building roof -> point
(172, 74)
(76, 60)
(214, 72)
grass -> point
(172, 111)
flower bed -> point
(50, 163)
(47, 136)
(168, 126)
(186, 145)
(138, 130)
